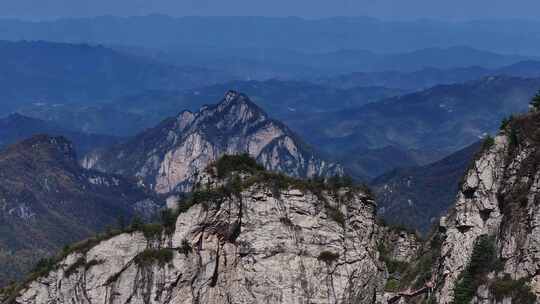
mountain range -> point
(260, 33)
(37, 72)
(268, 63)
(371, 129)
(429, 77)
(430, 124)
(253, 236)
(128, 115)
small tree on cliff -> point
(535, 102)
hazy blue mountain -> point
(16, 127)
(417, 80)
(417, 196)
(340, 33)
(284, 100)
(364, 164)
(429, 77)
(433, 123)
(267, 63)
(36, 72)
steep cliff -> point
(168, 157)
(491, 238)
(248, 237)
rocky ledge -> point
(249, 237)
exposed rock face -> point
(404, 246)
(169, 157)
(499, 197)
(257, 246)
(47, 200)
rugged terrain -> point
(168, 157)
(498, 200)
(245, 236)
(485, 249)
(47, 201)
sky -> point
(383, 9)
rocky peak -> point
(235, 110)
(168, 157)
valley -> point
(160, 159)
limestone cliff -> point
(499, 201)
(261, 238)
(168, 157)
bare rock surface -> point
(168, 157)
(261, 245)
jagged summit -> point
(168, 157)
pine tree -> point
(535, 102)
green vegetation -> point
(168, 220)
(72, 269)
(513, 138)
(43, 267)
(488, 143)
(136, 223)
(535, 102)
(420, 271)
(518, 290)
(185, 247)
(152, 231)
(506, 122)
(483, 261)
(340, 181)
(328, 257)
(392, 285)
(236, 163)
(79, 263)
(148, 257)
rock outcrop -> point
(499, 198)
(168, 157)
(260, 238)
